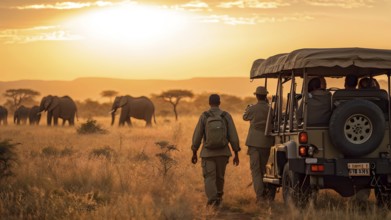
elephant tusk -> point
(111, 111)
(39, 113)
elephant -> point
(34, 115)
(139, 107)
(3, 115)
(59, 107)
(21, 114)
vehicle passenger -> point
(216, 128)
(365, 83)
(351, 81)
(258, 144)
(318, 105)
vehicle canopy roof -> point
(333, 62)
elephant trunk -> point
(113, 116)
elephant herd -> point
(65, 108)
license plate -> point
(358, 169)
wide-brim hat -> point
(261, 90)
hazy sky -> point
(175, 39)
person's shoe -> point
(218, 202)
(214, 203)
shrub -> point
(103, 152)
(166, 161)
(8, 158)
(66, 152)
(50, 151)
(91, 127)
(142, 156)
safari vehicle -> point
(351, 151)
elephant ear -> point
(123, 101)
(55, 101)
(46, 102)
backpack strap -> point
(207, 114)
(223, 115)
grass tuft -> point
(91, 127)
(106, 152)
(50, 151)
(8, 158)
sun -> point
(130, 24)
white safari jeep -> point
(348, 153)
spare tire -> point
(357, 127)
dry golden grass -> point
(64, 175)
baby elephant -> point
(34, 115)
(21, 114)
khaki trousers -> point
(213, 170)
(258, 160)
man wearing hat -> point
(215, 159)
(258, 144)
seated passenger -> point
(365, 83)
(318, 105)
(351, 81)
(368, 83)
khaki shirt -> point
(257, 115)
(318, 108)
(199, 135)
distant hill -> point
(83, 88)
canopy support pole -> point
(389, 109)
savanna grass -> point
(63, 175)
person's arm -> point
(197, 138)
(236, 158)
(248, 115)
(233, 138)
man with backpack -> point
(216, 128)
(258, 144)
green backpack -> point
(215, 131)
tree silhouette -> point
(174, 96)
(17, 97)
(109, 93)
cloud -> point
(253, 4)
(226, 19)
(341, 3)
(66, 5)
(255, 19)
(195, 6)
(41, 33)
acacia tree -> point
(109, 93)
(17, 97)
(174, 96)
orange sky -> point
(175, 39)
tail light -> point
(303, 151)
(303, 137)
(317, 167)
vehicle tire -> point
(295, 189)
(269, 192)
(357, 127)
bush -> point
(103, 152)
(50, 151)
(165, 158)
(91, 127)
(8, 158)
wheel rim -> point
(358, 129)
